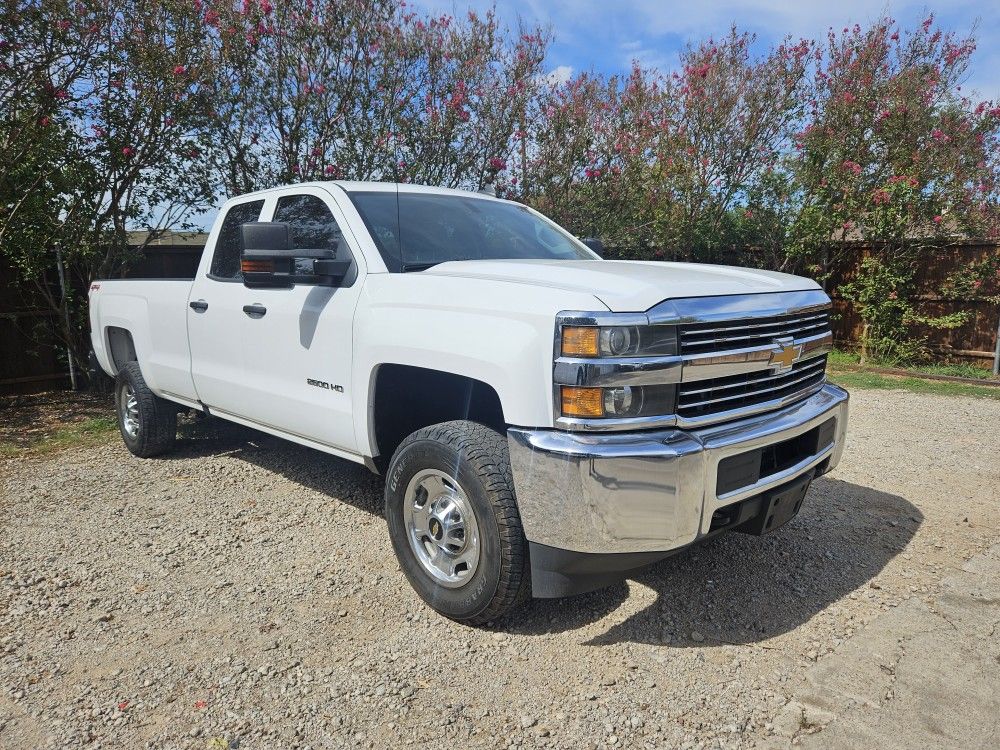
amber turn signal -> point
(582, 402)
(580, 341)
(257, 266)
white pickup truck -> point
(546, 420)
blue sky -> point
(606, 35)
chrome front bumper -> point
(652, 491)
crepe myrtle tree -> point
(658, 164)
(584, 156)
(104, 137)
(736, 115)
(893, 154)
(366, 89)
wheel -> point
(148, 423)
(453, 520)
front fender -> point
(499, 333)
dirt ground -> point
(242, 592)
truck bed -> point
(154, 312)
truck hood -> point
(627, 285)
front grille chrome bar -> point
(812, 368)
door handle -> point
(199, 305)
(255, 310)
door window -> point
(311, 223)
(226, 261)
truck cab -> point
(546, 420)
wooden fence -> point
(974, 341)
(31, 363)
(31, 360)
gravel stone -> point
(241, 592)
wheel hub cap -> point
(441, 528)
(128, 407)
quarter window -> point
(226, 261)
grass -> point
(876, 381)
(72, 435)
(844, 359)
(46, 423)
(87, 432)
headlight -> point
(618, 341)
(617, 402)
(612, 371)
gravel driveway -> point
(242, 592)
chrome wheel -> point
(128, 407)
(441, 527)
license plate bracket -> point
(778, 507)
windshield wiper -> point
(420, 266)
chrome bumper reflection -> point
(650, 491)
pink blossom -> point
(179, 70)
(266, 7)
(848, 225)
(127, 151)
(937, 219)
(851, 166)
(849, 97)
(44, 121)
(880, 197)
(497, 164)
(892, 295)
(330, 169)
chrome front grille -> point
(700, 398)
(703, 398)
(700, 338)
(735, 356)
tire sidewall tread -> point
(157, 417)
(476, 455)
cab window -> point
(311, 223)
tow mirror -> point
(594, 244)
(267, 259)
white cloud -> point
(559, 74)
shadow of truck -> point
(732, 589)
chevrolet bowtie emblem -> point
(784, 354)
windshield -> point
(427, 228)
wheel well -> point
(121, 347)
(407, 398)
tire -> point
(148, 424)
(458, 466)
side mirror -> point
(594, 244)
(267, 259)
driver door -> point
(298, 352)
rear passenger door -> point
(299, 353)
